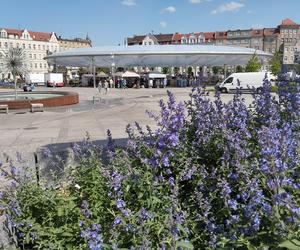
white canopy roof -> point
(129, 74)
(155, 55)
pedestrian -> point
(106, 86)
(111, 83)
(99, 87)
(124, 83)
(165, 82)
(150, 83)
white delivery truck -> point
(245, 81)
(37, 79)
(54, 79)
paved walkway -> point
(25, 132)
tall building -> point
(284, 38)
(289, 38)
(36, 46)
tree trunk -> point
(16, 92)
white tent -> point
(129, 74)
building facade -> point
(67, 44)
(289, 40)
(36, 46)
(284, 38)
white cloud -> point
(232, 6)
(170, 9)
(163, 24)
(129, 2)
(249, 11)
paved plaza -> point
(25, 132)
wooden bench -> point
(4, 107)
(34, 107)
(96, 98)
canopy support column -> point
(94, 72)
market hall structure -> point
(156, 56)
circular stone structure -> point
(156, 55)
(48, 98)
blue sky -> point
(108, 22)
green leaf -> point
(60, 211)
(184, 245)
(291, 244)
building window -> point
(30, 56)
(5, 44)
(41, 66)
(29, 46)
(45, 65)
(43, 47)
(39, 47)
(23, 45)
(35, 65)
(34, 46)
(34, 56)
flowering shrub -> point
(212, 175)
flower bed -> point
(211, 176)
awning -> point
(102, 74)
(156, 55)
(129, 74)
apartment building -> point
(76, 43)
(36, 46)
(285, 38)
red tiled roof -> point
(209, 35)
(288, 22)
(14, 31)
(38, 36)
(177, 37)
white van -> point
(245, 81)
(37, 79)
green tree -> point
(215, 70)
(253, 64)
(190, 71)
(275, 64)
(166, 70)
(239, 69)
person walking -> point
(111, 83)
(99, 87)
(106, 86)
